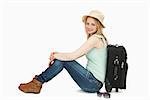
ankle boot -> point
(33, 86)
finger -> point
(51, 57)
(52, 53)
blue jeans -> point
(85, 79)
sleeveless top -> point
(97, 58)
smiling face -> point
(90, 25)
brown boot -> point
(33, 86)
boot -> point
(33, 86)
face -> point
(90, 25)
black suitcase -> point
(116, 71)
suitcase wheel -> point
(108, 86)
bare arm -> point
(87, 46)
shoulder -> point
(94, 41)
(95, 38)
(98, 36)
(99, 40)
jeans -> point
(84, 78)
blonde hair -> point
(99, 28)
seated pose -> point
(89, 79)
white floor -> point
(63, 87)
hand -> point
(52, 58)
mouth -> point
(89, 30)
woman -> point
(89, 79)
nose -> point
(88, 27)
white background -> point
(31, 29)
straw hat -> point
(95, 14)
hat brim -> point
(85, 16)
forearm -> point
(64, 56)
(87, 46)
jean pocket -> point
(92, 79)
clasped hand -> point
(52, 58)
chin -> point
(90, 32)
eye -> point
(87, 23)
(93, 24)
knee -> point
(58, 62)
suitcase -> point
(116, 70)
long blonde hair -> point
(99, 28)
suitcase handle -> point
(116, 64)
